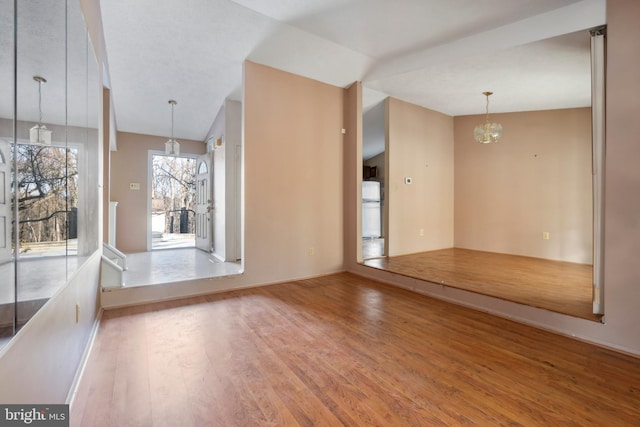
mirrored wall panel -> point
(48, 153)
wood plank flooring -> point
(562, 287)
(344, 350)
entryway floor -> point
(175, 265)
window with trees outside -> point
(47, 190)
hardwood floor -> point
(344, 350)
(562, 287)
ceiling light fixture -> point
(488, 132)
(171, 147)
(39, 134)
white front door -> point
(204, 203)
(5, 203)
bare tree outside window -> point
(173, 201)
(47, 191)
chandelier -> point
(39, 134)
(487, 132)
(171, 147)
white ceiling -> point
(435, 53)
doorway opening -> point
(173, 202)
(373, 182)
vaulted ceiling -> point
(533, 54)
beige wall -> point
(622, 175)
(419, 145)
(293, 175)
(536, 178)
(130, 165)
(352, 183)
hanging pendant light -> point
(488, 132)
(171, 147)
(39, 134)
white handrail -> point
(111, 274)
(114, 255)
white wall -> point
(233, 178)
(219, 185)
(227, 163)
(40, 363)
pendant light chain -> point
(40, 81)
(487, 110)
(40, 101)
(173, 104)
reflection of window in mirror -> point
(5, 208)
(48, 201)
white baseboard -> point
(83, 361)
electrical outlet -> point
(312, 251)
(134, 186)
(545, 235)
(421, 232)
